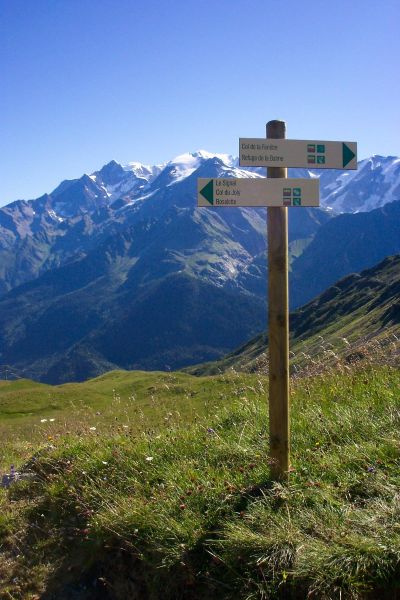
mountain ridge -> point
(111, 265)
(358, 310)
(42, 234)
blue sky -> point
(86, 81)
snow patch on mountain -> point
(118, 181)
(148, 172)
(184, 165)
(227, 171)
(54, 216)
(374, 184)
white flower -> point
(43, 420)
(92, 428)
(51, 420)
(149, 458)
(104, 462)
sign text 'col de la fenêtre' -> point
(309, 154)
(257, 192)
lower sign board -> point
(257, 192)
(311, 154)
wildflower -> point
(43, 420)
(149, 458)
(52, 420)
(92, 428)
(104, 462)
(211, 430)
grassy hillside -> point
(170, 497)
(350, 319)
(34, 414)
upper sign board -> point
(309, 154)
(257, 192)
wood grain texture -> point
(278, 321)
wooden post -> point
(278, 319)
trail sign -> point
(311, 154)
(257, 192)
(277, 192)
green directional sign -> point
(347, 154)
(208, 192)
(312, 154)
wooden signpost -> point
(278, 325)
(277, 193)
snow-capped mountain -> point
(36, 235)
(117, 180)
(134, 181)
(120, 269)
(375, 183)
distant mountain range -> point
(120, 269)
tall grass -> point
(188, 510)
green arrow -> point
(208, 192)
(348, 154)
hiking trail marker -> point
(257, 192)
(277, 193)
(309, 154)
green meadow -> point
(33, 415)
(157, 485)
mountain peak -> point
(184, 165)
(110, 174)
(195, 158)
(139, 169)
